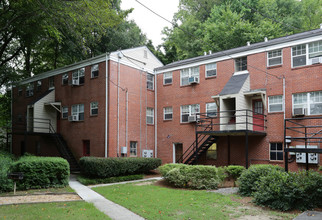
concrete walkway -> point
(114, 211)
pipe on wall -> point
(106, 104)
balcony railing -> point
(37, 125)
(232, 120)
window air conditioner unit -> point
(193, 118)
(315, 60)
(73, 118)
(123, 150)
(193, 80)
(299, 112)
(147, 153)
(75, 82)
(301, 157)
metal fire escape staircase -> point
(198, 147)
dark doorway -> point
(86, 148)
(178, 152)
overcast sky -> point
(149, 23)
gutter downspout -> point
(284, 95)
(156, 117)
(127, 117)
(118, 105)
(106, 103)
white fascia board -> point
(66, 69)
(245, 53)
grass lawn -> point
(59, 210)
(155, 202)
(66, 189)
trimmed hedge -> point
(6, 160)
(41, 172)
(248, 179)
(164, 169)
(99, 167)
(285, 191)
(90, 181)
(195, 176)
(235, 171)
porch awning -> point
(234, 85)
(55, 105)
(257, 92)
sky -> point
(151, 24)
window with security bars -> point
(211, 69)
(167, 78)
(299, 55)
(240, 64)
(133, 148)
(64, 112)
(275, 103)
(94, 108)
(150, 116)
(276, 151)
(94, 71)
(150, 81)
(274, 58)
(167, 113)
(189, 110)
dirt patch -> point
(39, 198)
(151, 174)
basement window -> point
(276, 151)
(133, 148)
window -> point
(274, 58)
(188, 110)
(240, 64)
(94, 71)
(64, 112)
(150, 116)
(167, 78)
(78, 110)
(65, 79)
(276, 151)
(38, 85)
(51, 82)
(211, 109)
(212, 152)
(79, 76)
(211, 70)
(133, 148)
(311, 102)
(150, 81)
(30, 90)
(167, 113)
(94, 108)
(275, 103)
(315, 49)
(185, 74)
(299, 55)
(19, 91)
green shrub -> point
(164, 169)
(41, 172)
(107, 167)
(285, 191)
(196, 177)
(248, 179)
(90, 181)
(235, 171)
(6, 160)
(320, 168)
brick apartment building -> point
(222, 108)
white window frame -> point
(298, 54)
(237, 64)
(211, 110)
(209, 67)
(315, 48)
(273, 101)
(64, 79)
(187, 73)
(275, 54)
(78, 110)
(133, 150)
(79, 75)
(167, 76)
(150, 81)
(94, 71)
(93, 106)
(167, 111)
(191, 110)
(276, 151)
(307, 104)
(64, 112)
(30, 89)
(149, 115)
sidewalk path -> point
(114, 211)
